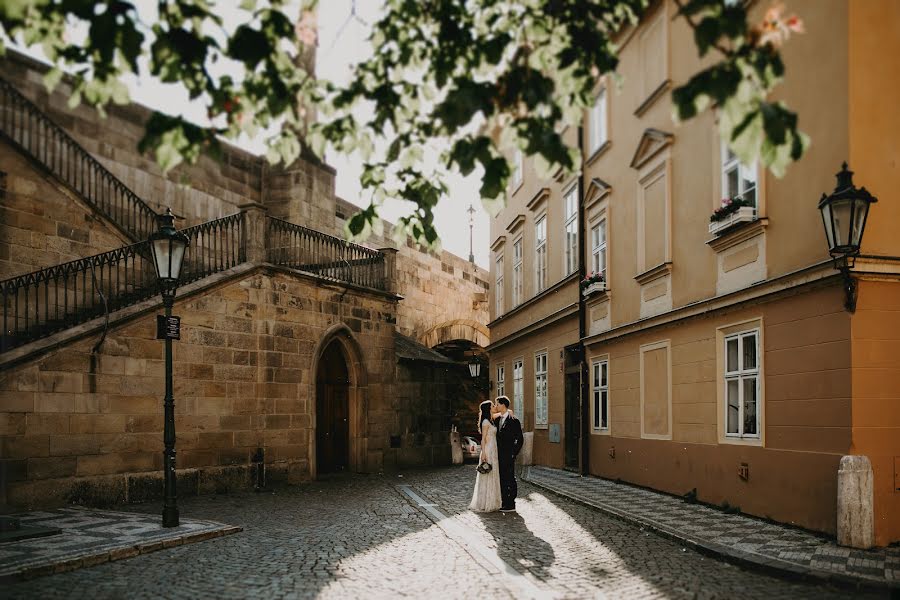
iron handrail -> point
(43, 302)
(324, 255)
(25, 125)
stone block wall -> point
(438, 287)
(83, 427)
(42, 223)
(197, 193)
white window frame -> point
(518, 168)
(730, 163)
(541, 403)
(598, 134)
(598, 248)
(599, 395)
(518, 273)
(540, 254)
(498, 285)
(501, 380)
(570, 234)
(740, 375)
(519, 388)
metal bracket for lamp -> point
(844, 264)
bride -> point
(486, 497)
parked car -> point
(470, 446)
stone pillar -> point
(855, 514)
(254, 231)
(390, 269)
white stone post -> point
(855, 514)
(456, 448)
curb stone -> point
(90, 560)
(730, 555)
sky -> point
(344, 26)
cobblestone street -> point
(411, 535)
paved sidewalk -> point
(90, 537)
(737, 537)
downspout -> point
(584, 401)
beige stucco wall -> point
(806, 415)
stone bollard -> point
(456, 448)
(526, 454)
(855, 515)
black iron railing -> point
(323, 255)
(26, 126)
(41, 303)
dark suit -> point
(509, 442)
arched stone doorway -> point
(332, 411)
(340, 404)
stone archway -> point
(458, 329)
(339, 382)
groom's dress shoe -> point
(508, 509)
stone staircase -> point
(33, 133)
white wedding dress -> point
(486, 497)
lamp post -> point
(471, 211)
(168, 247)
(844, 214)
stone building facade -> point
(292, 371)
(716, 355)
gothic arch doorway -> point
(339, 389)
(332, 411)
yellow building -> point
(715, 355)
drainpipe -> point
(584, 438)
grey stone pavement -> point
(388, 536)
(737, 536)
(89, 537)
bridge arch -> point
(458, 329)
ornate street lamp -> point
(168, 247)
(844, 214)
(474, 368)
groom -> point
(509, 442)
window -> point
(598, 248)
(742, 385)
(540, 255)
(519, 389)
(571, 199)
(517, 273)
(498, 286)
(737, 179)
(601, 395)
(501, 380)
(517, 169)
(598, 134)
(540, 389)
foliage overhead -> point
(451, 85)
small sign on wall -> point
(554, 433)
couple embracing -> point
(501, 440)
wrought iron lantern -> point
(168, 247)
(474, 368)
(844, 214)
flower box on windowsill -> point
(594, 288)
(744, 214)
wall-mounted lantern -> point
(844, 214)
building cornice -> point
(806, 276)
(534, 300)
(566, 311)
